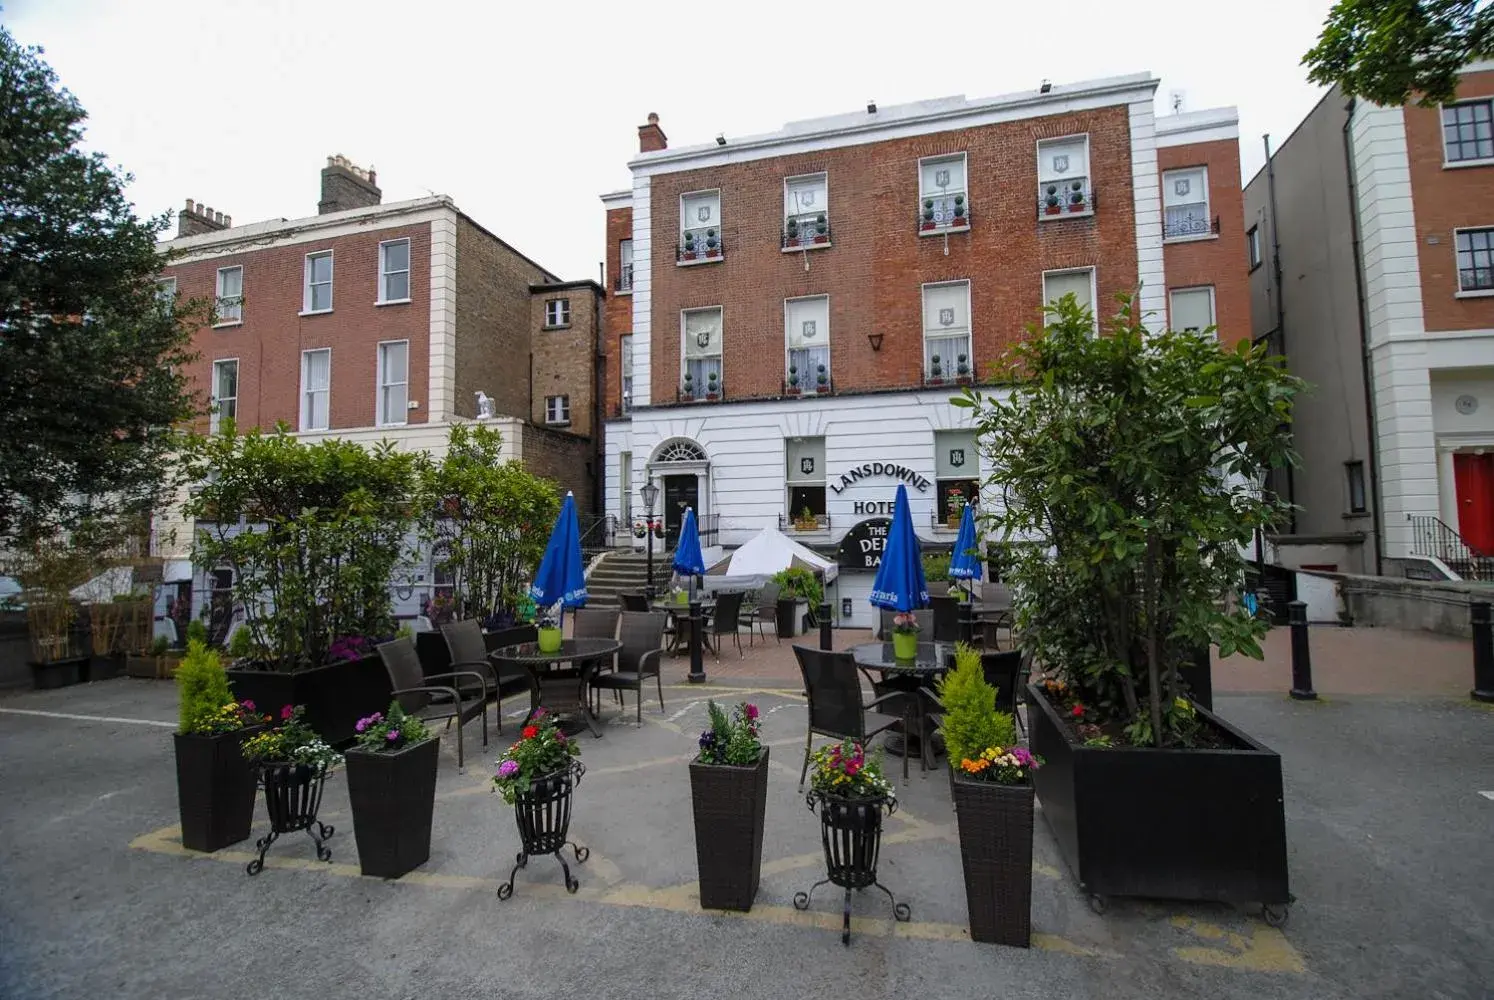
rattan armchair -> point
(642, 635)
(430, 702)
(833, 682)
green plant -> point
(1002, 765)
(731, 740)
(391, 732)
(197, 631)
(404, 632)
(1135, 456)
(799, 583)
(847, 770)
(971, 722)
(160, 646)
(905, 623)
(291, 742)
(542, 749)
(205, 704)
(936, 565)
(240, 644)
(1393, 51)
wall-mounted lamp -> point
(871, 107)
(875, 340)
(846, 607)
(721, 139)
(1045, 88)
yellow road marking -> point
(1265, 950)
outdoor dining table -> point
(679, 616)
(913, 676)
(586, 654)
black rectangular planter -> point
(996, 852)
(393, 796)
(106, 668)
(214, 790)
(58, 673)
(1164, 824)
(729, 803)
(336, 696)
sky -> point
(524, 113)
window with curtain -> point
(318, 282)
(946, 328)
(394, 271)
(956, 473)
(1078, 282)
(1193, 308)
(700, 223)
(806, 204)
(625, 266)
(1063, 176)
(230, 296)
(1185, 203)
(804, 478)
(942, 196)
(225, 392)
(702, 337)
(394, 389)
(316, 388)
(806, 325)
(627, 372)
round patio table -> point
(911, 676)
(679, 616)
(586, 654)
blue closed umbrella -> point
(965, 563)
(899, 585)
(687, 558)
(560, 578)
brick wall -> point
(617, 319)
(1445, 199)
(492, 322)
(565, 458)
(269, 342)
(874, 270)
(566, 358)
(1219, 261)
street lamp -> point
(650, 494)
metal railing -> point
(598, 533)
(710, 528)
(1190, 227)
(809, 230)
(705, 243)
(798, 522)
(1432, 538)
(623, 281)
(1064, 203)
(944, 216)
(710, 392)
(808, 385)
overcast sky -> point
(525, 112)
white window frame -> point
(940, 228)
(948, 373)
(306, 393)
(558, 415)
(820, 482)
(1213, 306)
(1208, 205)
(625, 365)
(385, 272)
(1089, 185)
(1482, 161)
(1094, 292)
(809, 383)
(625, 268)
(557, 313)
(222, 304)
(1472, 293)
(214, 420)
(806, 237)
(380, 406)
(700, 392)
(700, 250)
(306, 309)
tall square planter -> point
(336, 695)
(995, 824)
(729, 804)
(214, 790)
(58, 673)
(1194, 824)
(393, 797)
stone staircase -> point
(623, 572)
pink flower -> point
(286, 713)
(751, 711)
(508, 769)
(248, 705)
(393, 735)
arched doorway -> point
(683, 473)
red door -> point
(1473, 475)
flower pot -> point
(142, 665)
(822, 239)
(393, 798)
(543, 815)
(336, 695)
(927, 225)
(293, 794)
(995, 824)
(214, 790)
(549, 640)
(905, 645)
(58, 673)
(958, 220)
(711, 397)
(1053, 209)
(851, 834)
(729, 804)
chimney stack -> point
(197, 218)
(346, 185)
(651, 137)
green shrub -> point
(197, 632)
(971, 721)
(201, 686)
(935, 566)
(160, 645)
(800, 583)
(239, 643)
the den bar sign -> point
(863, 545)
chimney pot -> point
(198, 218)
(228, 222)
(346, 186)
(189, 204)
(650, 136)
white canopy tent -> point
(769, 551)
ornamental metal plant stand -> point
(293, 794)
(851, 831)
(544, 817)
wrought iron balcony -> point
(623, 281)
(804, 232)
(697, 246)
(807, 385)
(1059, 200)
(688, 392)
(815, 522)
(946, 214)
(1190, 226)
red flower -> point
(853, 767)
(530, 732)
(286, 713)
(1078, 711)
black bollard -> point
(967, 623)
(1483, 652)
(697, 641)
(826, 642)
(1301, 653)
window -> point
(1468, 131)
(558, 410)
(316, 388)
(942, 200)
(946, 329)
(225, 392)
(166, 294)
(627, 372)
(700, 227)
(1063, 177)
(806, 211)
(394, 271)
(1253, 247)
(805, 479)
(1079, 282)
(318, 296)
(557, 313)
(1354, 474)
(1475, 259)
(956, 474)
(701, 332)
(806, 324)
(1185, 204)
(394, 377)
(230, 304)
(1193, 309)
(625, 266)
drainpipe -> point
(1291, 482)
(1376, 511)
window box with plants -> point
(926, 217)
(791, 233)
(936, 370)
(687, 388)
(792, 386)
(293, 763)
(821, 229)
(392, 790)
(538, 776)
(821, 379)
(1141, 561)
(214, 782)
(961, 218)
(728, 799)
(1052, 200)
(963, 373)
(713, 386)
(806, 520)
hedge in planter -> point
(214, 783)
(728, 797)
(392, 789)
(1135, 456)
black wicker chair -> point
(833, 683)
(431, 702)
(642, 635)
(469, 651)
(727, 618)
(946, 614)
(925, 623)
(761, 614)
(596, 623)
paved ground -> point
(1388, 834)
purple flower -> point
(508, 769)
(539, 713)
(392, 735)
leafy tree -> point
(92, 359)
(1136, 458)
(1389, 51)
